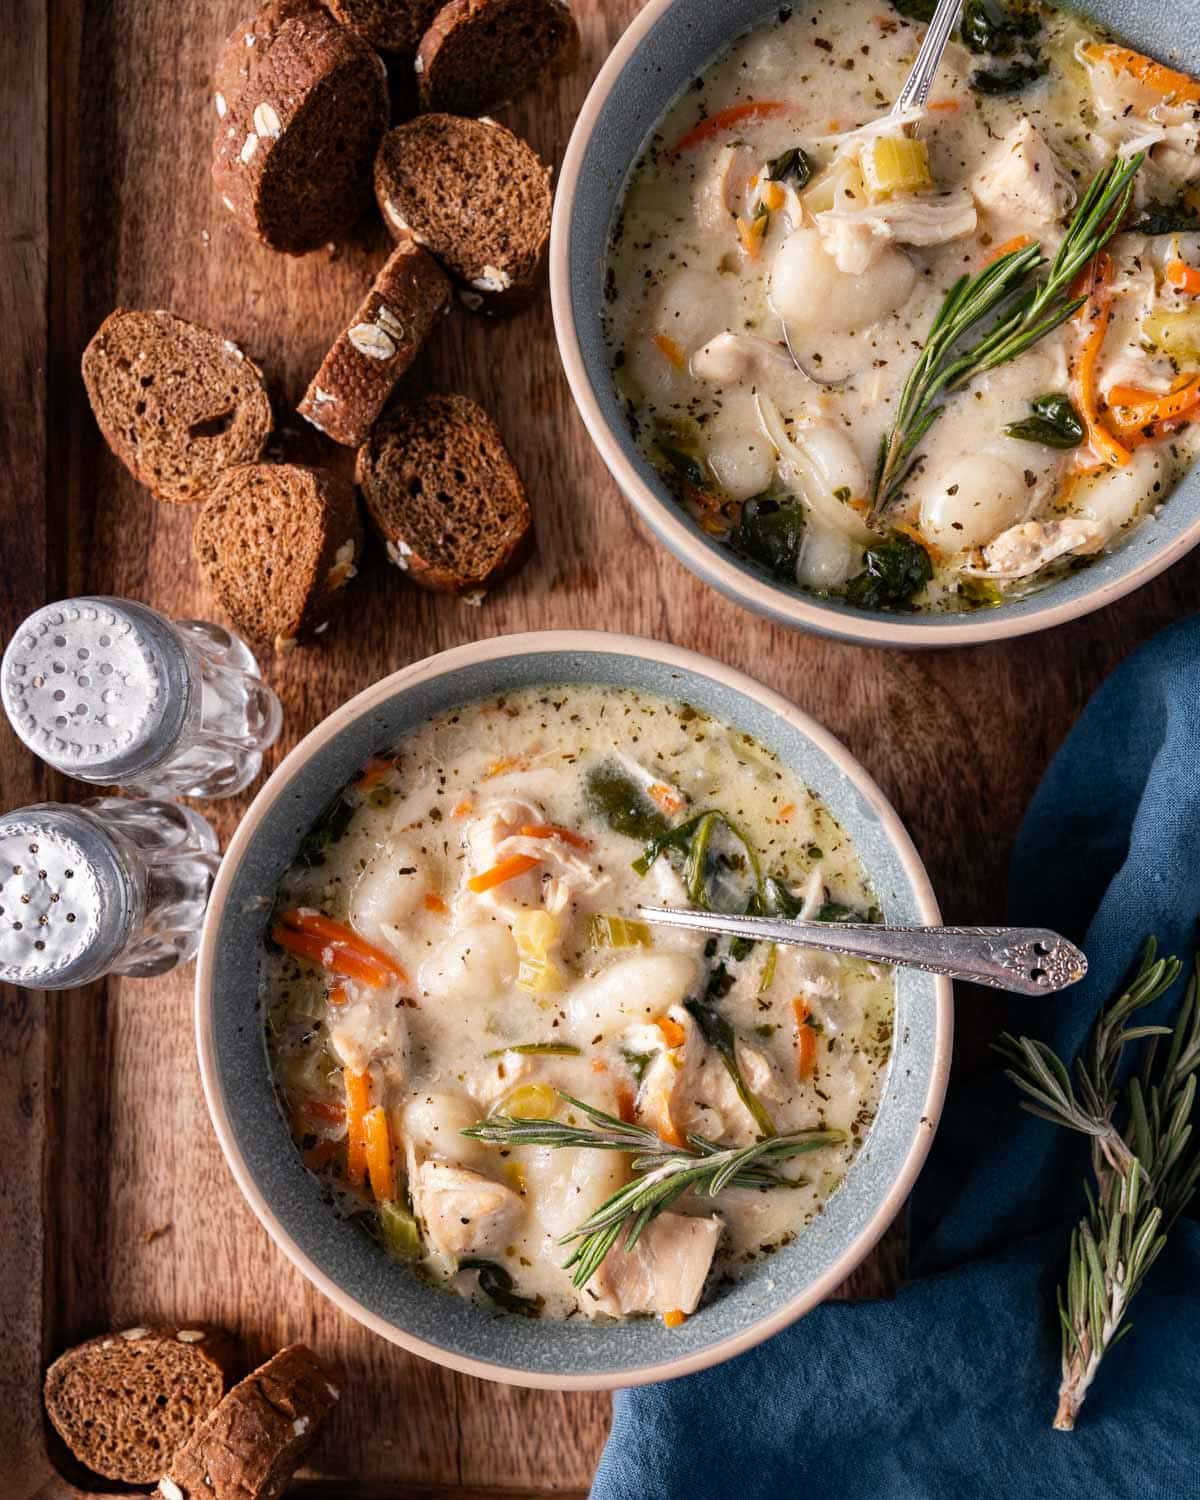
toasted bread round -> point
(304, 103)
(376, 347)
(476, 196)
(390, 25)
(445, 496)
(478, 54)
(177, 403)
(277, 544)
(252, 1443)
(124, 1402)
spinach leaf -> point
(638, 1062)
(915, 10)
(689, 468)
(719, 1035)
(997, 30)
(622, 804)
(496, 1284)
(894, 571)
(1055, 423)
(1010, 79)
(792, 165)
(1167, 218)
(769, 532)
(780, 901)
(692, 839)
(327, 830)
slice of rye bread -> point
(478, 54)
(476, 196)
(293, 151)
(445, 496)
(277, 544)
(238, 52)
(252, 1444)
(390, 25)
(124, 1402)
(376, 347)
(177, 403)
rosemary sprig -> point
(663, 1172)
(1018, 308)
(1144, 1171)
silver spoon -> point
(1025, 960)
(919, 84)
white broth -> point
(453, 945)
(781, 255)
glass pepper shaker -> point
(111, 692)
(114, 886)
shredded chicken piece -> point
(1023, 178)
(371, 1028)
(1025, 549)
(664, 1272)
(463, 1212)
(722, 191)
(494, 835)
(733, 357)
(854, 237)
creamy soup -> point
(454, 949)
(784, 251)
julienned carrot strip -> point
(806, 1041)
(1018, 242)
(332, 956)
(673, 1033)
(338, 994)
(1179, 88)
(506, 869)
(379, 1154)
(751, 233)
(316, 924)
(1134, 409)
(374, 772)
(555, 831)
(669, 349)
(462, 808)
(1183, 276)
(674, 1318)
(435, 903)
(943, 105)
(358, 1103)
(665, 797)
(1095, 314)
(725, 119)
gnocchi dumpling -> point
(971, 500)
(811, 295)
(473, 964)
(388, 892)
(633, 989)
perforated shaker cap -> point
(66, 904)
(99, 688)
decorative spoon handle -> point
(1025, 960)
(919, 83)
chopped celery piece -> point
(1175, 333)
(895, 164)
(401, 1237)
(610, 931)
(529, 1101)
(537, 976)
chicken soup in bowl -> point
(494, 1112)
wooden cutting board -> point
(115, 1203)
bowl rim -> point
(579, 642)
(711, 563)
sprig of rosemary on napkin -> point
(662, 1172)
(1143, 1160)
(1017, 307)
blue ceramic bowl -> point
(669, 43)
(342, 1261)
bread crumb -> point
(300, 1426)
(475, 598)
(285, 643)
(190, 1335)
(492, 279)
(134, 1333)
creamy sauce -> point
(546, 778)
(722, 251)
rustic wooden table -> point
(115, 1204)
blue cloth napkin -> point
(949, 1389)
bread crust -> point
(390, 25)
(127, 1436)
(473, 58)
(288, 80)
(378, 344)
(253, 1442)
(477, 197)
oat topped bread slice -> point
(390, 25)
(302, 103)
(378, 344)
(252, 1444)
(478, 54)
(476, 196)
(124, 1402)
(177, 403)
(277, 544)
(445, 496)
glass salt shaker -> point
(111, 692)
(114, 886)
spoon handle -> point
(1025, 960)
(919, 84)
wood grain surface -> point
(115, 1203)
